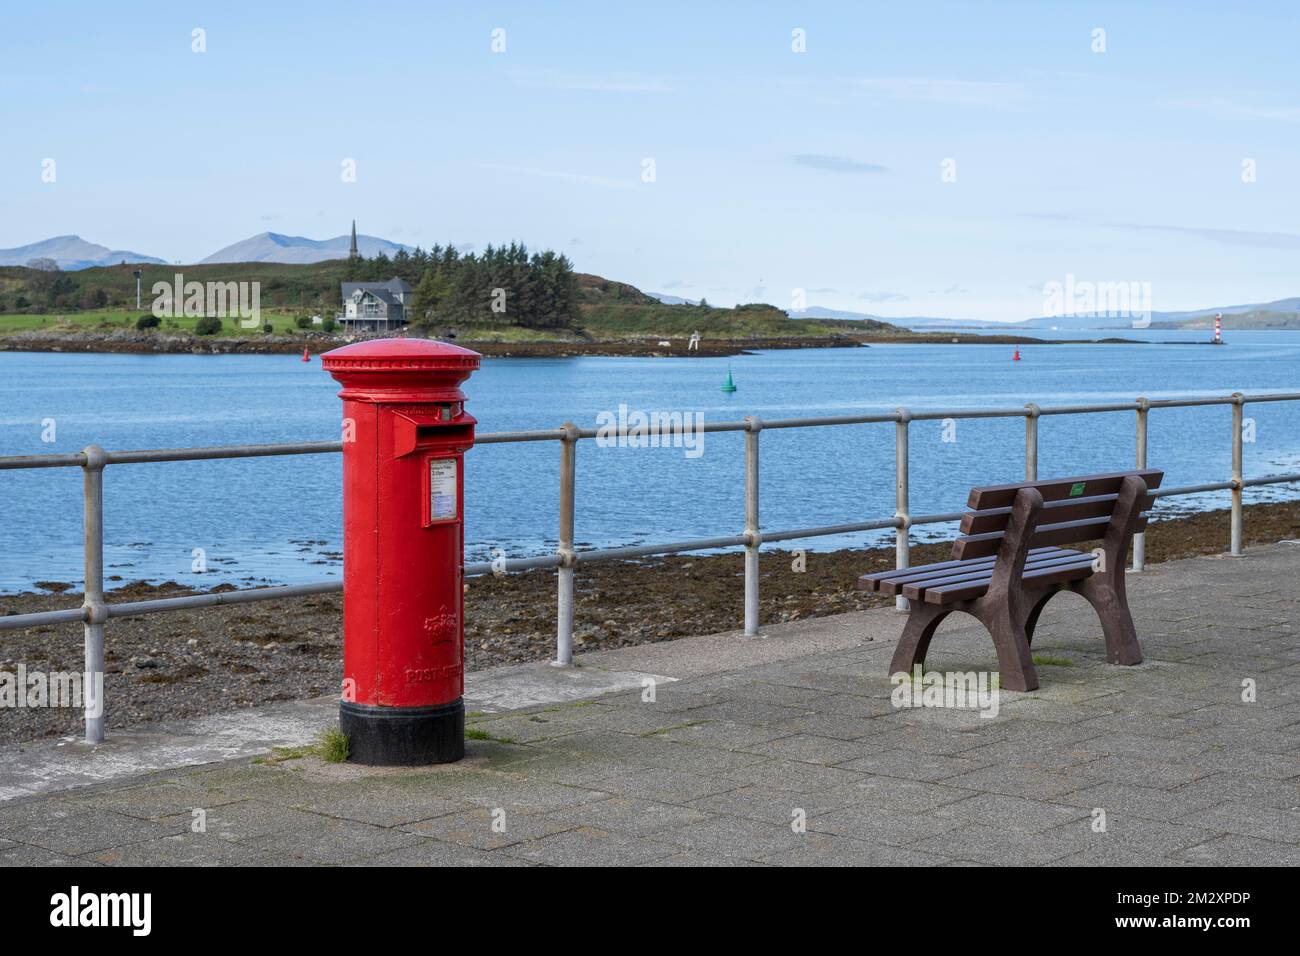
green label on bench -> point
(1076, 489)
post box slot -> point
(414, 431)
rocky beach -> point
(189, 663)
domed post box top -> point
(401, 370)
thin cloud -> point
(1225, 108)
(835, 164)
(1051, 216)
(922, 89)
(1230, 237)
(618, 82)
(583, 178)
(882, 297)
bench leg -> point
(912, 646)
(1031, 623)
(1116, 622)
(1015, 662)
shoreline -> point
(131, 342)
(194, 663)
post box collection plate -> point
(443, 492)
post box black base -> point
(403, 736)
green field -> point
(108, 320)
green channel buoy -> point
(728, 385)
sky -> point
(900, 159)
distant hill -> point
(1281, 305)
(907, 322)
(1263, 317)
(1281, 314)
(71, 253)
(299, 250)
(1075, 322)
(621, 309)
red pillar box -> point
(405, 433)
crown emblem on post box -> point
(443, 626)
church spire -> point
(352, 249)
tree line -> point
(47, 287)
(502, 285)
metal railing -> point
(95, 612)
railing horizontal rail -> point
(222, 451)
(831, 420)
(1192, 489)
(877, 525)
(927, 414)
(218, 598)
(510, 565)
(936, 519)
(43, 461)
(498, 438)
(16, 622)
(1087, 409)
(646, 550)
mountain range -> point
(72, 252)
(273, 247)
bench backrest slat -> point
(1066, 532)
(1054, 512)
(1074, 510)
(1056, 489)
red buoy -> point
(305, 356)
(1016, 357)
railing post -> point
(1238, 403)
(902, 509)
(96, 610)
(753, 537)
(1140, 540)
(564, 577)
(1032, 412)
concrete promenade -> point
(785, 749)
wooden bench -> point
(1009, 562)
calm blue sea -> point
(278, 520)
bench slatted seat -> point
(1008, 563)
